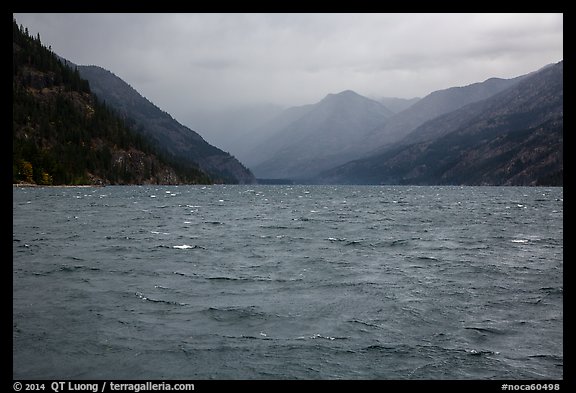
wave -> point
(189, 247)
(140, 295)
(346, 242)
(186, 274)
(425, 258)
(74, 268)
(553, 290)
(481, 352)
(276, 227)
(554, 358)
(223, 278)
(398, 242)
(236, 314)
(485, 330)
(318, 335)
(357, 293)
(252, 279)
(379, 348)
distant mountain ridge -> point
(514, 137)
(301, 146)
(433, 105)
(312, 138)
(396, 104)
(172, 137)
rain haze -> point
(213, 70)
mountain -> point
(302, 144)
(62, 134)
(313, 138)
(233, 128)
(396, 104)
(512, 138)
(433, 105)
(176, 140)
(273, 135)
(254, 145)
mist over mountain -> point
(312, 138)
(433, 105)
(307, 139)
(514, 137)
(234, 129)
(172, 137)
(396, 104)
(256, 144)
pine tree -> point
(60, 136)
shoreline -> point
(32, 185)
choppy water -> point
(288, 282)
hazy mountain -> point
(234, 129)
(62, 134)
(433, 105)
(272, 134)
(302, 144)
(243, 141)
(177, 140)
(512, 138)
(397, 105)
(312, 138)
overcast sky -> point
(184, 61)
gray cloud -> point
(189, 62)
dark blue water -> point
(288, 282)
